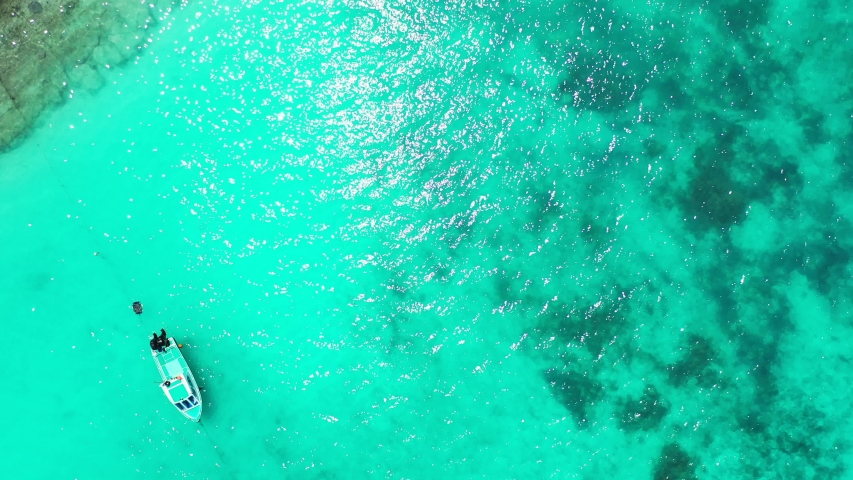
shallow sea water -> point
(442, 239)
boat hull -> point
(183, 388)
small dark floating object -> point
(35, 7)
(137, 308)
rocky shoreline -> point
(51, 48)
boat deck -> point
(171, 363)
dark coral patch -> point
(594, 327)
(761, 354)
(694, 364)
(753, 423)
(715, 198)
(673, 94)
(646, 413)
(741, 17)
(785, 173)
(812, 123)
(674, 464)
(827, 265)
(544, 211)
(577, 392)
(653, 148)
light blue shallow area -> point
(438, 240)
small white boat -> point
(178, 382)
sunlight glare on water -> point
(414, 239)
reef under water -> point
(51, 48)
(527, 239)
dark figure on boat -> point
(163, 339)
(137, 308)
(155, 342)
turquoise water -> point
(442, 240)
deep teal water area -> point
(442, 240)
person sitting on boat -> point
(155, 343)
(163, 339)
